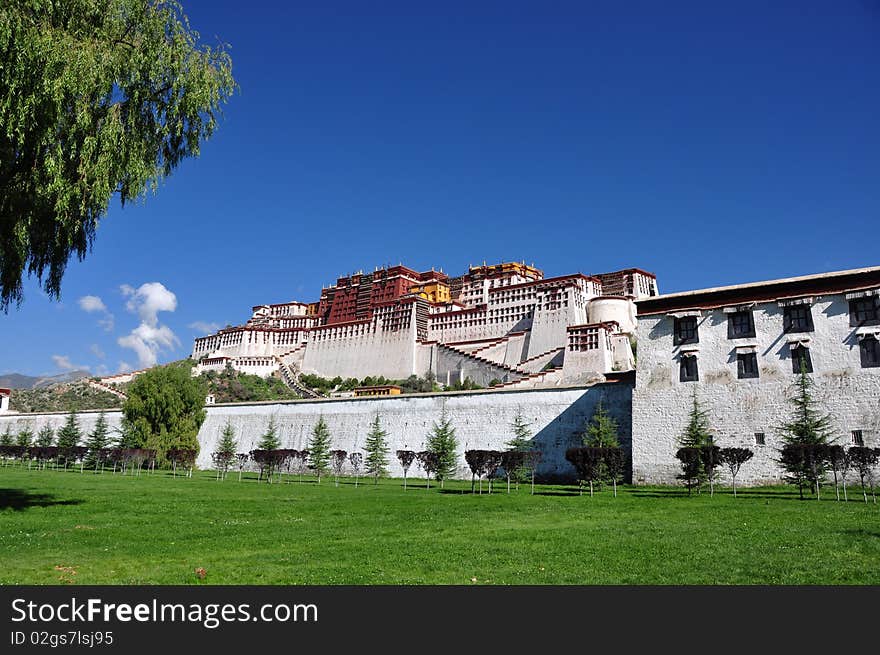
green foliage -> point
(227, 445)
(269, 440)
(25, 437)
(164, 409)
(697, 436)
(522, 434)
(804, 436)
(412, 384)
(467, 385)
(7, 439)
(601, 431)
(443, 444)
(376, 448)
(319, 448)
(231, 386)
(99, 97)
(73, 397)
(698, 432)
(98, 439)
(69, 434)
(45, 437)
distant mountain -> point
(19, 381)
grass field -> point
(66, 527)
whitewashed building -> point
(739, 348)
(503, 322)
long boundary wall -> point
(481, 419)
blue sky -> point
(710, 143)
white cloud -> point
(124, 367)
(149, 338)
(63, 362)
(203, 327)
(96, 351)
(148, 300)
(92, 304)
(100, 369)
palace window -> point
(869, 351)
(800, 354)
(798, 318)
(740, 324)
(747, 365)
(688, 371)
(759, 439)
(856, 438)
(685, 330)
(863, 311)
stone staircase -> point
(290, 377)
(549, 378)
(538, 362)
(501, 369)
(100, 386)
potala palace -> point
(503, 322)
(560, 346)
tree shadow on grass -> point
(683, 493)
(18, 500)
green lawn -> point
(113, 529)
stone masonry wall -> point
(481, 420)
(739, 408)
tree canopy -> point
(97, 97)
(165, 409)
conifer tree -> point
(601, 430)
(522, 434)
(97, 441)
(805, 437)
(693, 441)
(6, 439)
(269, 439)
(443, 444)
(319, 448)
(25, 437)
(376, 448)
(521, 443)
(45, 437)
(226, 449)
(69, 435)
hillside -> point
(74, 396)
(231, 386)
(19, 381)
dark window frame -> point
(802, 323)
(688, 370)
(736, 329)
(678, 328)
(869, 352)
(799, 352)
(869, 314)
(857, 438)
(760, 439)
(747, 365)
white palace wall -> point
(739, 408)
(481, 420)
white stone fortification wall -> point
(387, 353)
(481, 420)
(36, 422)
(451, 366)
(549, 328)
(740, 408)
